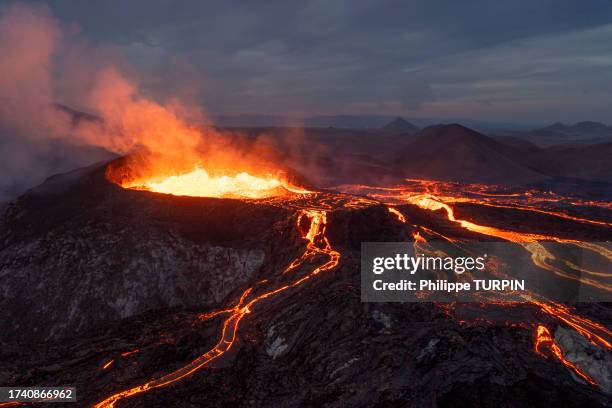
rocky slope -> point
(78, 251)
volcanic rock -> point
(593, 361)
(78, 251)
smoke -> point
(36, 131)
(49, 68)
(131, 120)
(28, 37)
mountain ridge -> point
(400, 125)
(456, 153)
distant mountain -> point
(454, 152)
(323, 121)
(77, 116)
(578, 133)
(588, 162)
(400, 125)
(250, 120)
(348, 121)
(332, 156)
(585, 129)
(515, 141)
(353, 122)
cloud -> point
(562, 76)
(320, 57)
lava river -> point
(314, 208)
(596, 333)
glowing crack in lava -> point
(199, 183)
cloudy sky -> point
(514, 61)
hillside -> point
(454, 152)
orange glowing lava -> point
(199, 183)
(397, 214)
(129, 353)
(594, 332)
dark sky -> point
(514, 61)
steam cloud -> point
(48, 67)
(39, 136)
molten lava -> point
(594, 332)
(184, 178)
(199, 183)
(312, 211)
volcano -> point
(150, 299)
(348, 259)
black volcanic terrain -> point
(106, 253)
(106, 288)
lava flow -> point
(312, 209)
(594, 332)
(317, 244)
